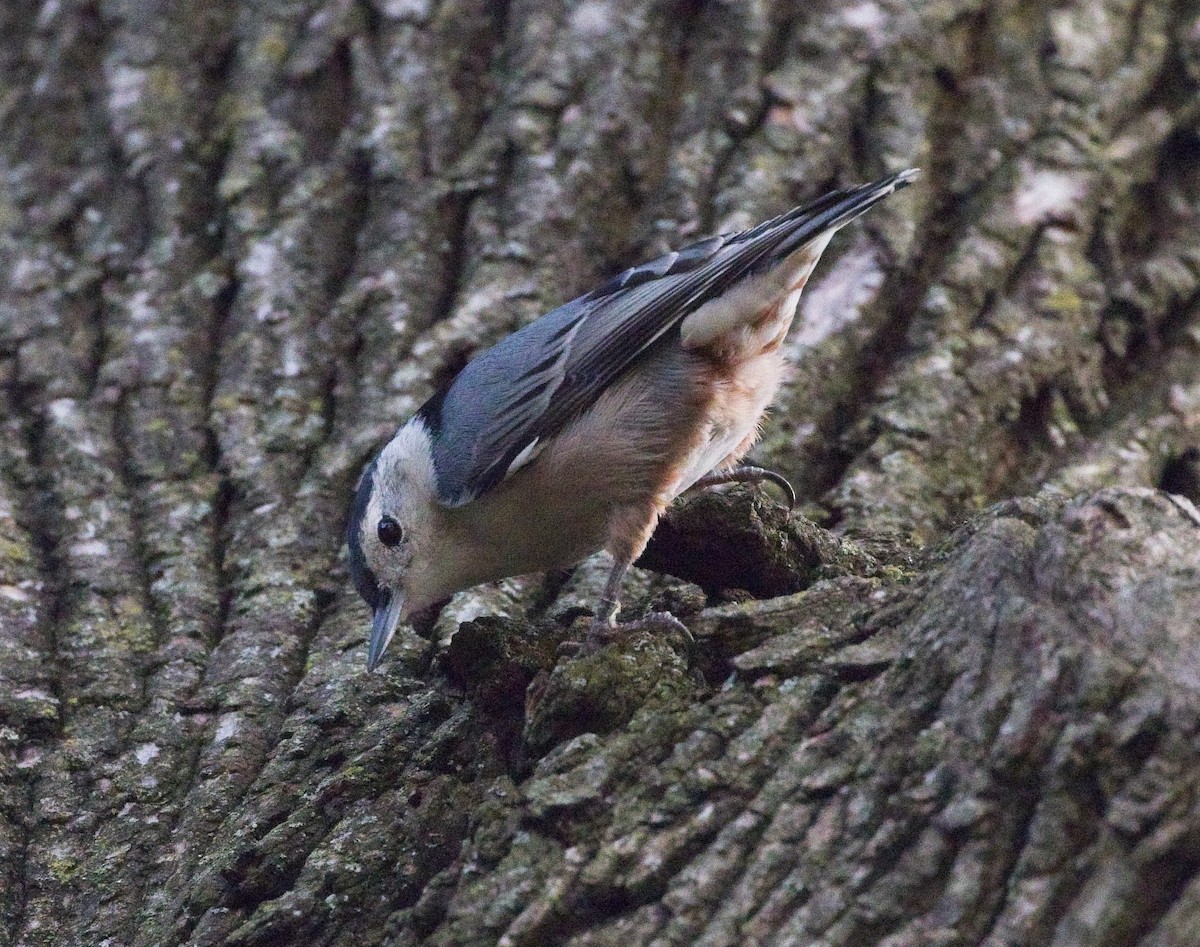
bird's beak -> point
(387, 615)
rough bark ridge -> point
(241, 241)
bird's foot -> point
(749, 475)
(602, 633)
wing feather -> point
(513, 398)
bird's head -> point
(387, 529)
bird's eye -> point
(391, 533)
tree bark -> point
(957, 703)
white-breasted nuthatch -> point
(576, 432)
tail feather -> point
(756, 310)
(830, 213)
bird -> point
(576, 432)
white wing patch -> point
(528, 453)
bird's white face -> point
(388, 524)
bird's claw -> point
(750, 475)
(602, 633)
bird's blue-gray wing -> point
(511, 399)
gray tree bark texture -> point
(956, 703)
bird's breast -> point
(742, 392)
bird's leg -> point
(610, 599)
(749, 475)
(629, 531)
(604, 625)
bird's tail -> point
(792, 244)
(825, 215)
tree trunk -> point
(959, 703)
